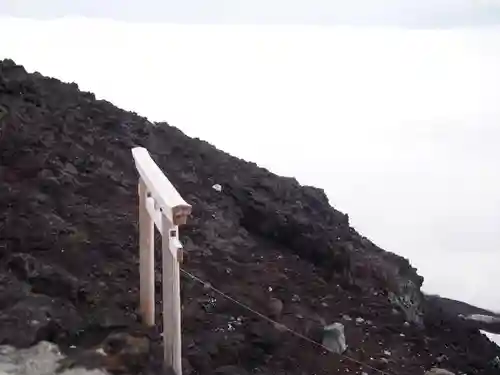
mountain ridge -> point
(473, 316)
(456, 307)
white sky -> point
(400, 127)
(406, 13)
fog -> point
(398, 126)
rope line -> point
(277, 324)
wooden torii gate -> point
(162, 206)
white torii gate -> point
(160, 204)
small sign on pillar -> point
(162, 206)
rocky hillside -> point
(69, 253)
(456, 308)
(473, 316)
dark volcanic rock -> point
(35, 318)
(456, 308)
(473, 317)
(68, 251)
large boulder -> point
(41, 359)
(334, 338)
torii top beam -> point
(161, 189)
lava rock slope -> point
(69, 251)
(473, 316)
